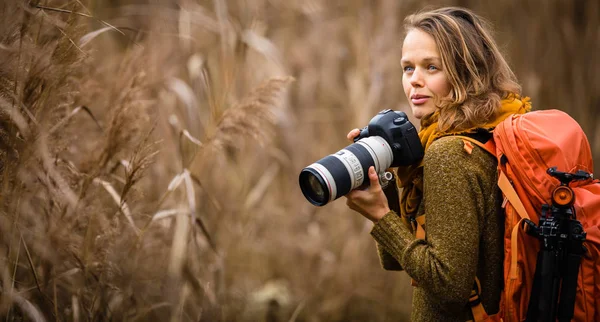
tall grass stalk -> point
(149, 150)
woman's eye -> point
(407, 69)
(431, 67)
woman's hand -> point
(371, 203)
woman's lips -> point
(420, 100)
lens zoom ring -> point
(339, 173)
(365, 158)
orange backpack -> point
(526, 146)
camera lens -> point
(314, 187)
(337, 174)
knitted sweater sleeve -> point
(388, 262)
(444, 265)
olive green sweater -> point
(464, 228)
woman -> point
(457, 83)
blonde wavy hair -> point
(478, 73)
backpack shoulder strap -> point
(511, 195)
(489, 145)
(509, 192)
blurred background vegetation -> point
(149, 149)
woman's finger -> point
(352, 134)
(374, 178)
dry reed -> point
(149, 151)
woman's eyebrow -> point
(426, 59)
(431, 59)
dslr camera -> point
(390, 140)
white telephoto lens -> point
(380, 151)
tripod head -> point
(565, 177)
(563, 196)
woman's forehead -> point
(419, 45)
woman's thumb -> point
(373, 177)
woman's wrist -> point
(380, 214)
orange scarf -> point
(410, 178)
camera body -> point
(395, 128)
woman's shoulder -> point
(446, 146)
(452, 151)
(452, 161)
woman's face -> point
(423, 78)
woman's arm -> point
(446, 262)
(388, 261)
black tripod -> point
(561, 249)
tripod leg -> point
(550, 280)
(544, 294)
(571, 272)
(569, 288)
(534, 298)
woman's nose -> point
(416, 79)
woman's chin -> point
(421, 111)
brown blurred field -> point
(149, 150)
